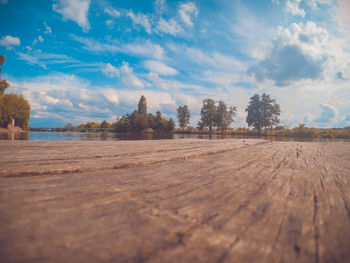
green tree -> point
(263, 112)
(2, 60)
(3, 83)
(183, 116)
(104, 125)
(14, 107)
(255, 116)
(142, 106)
(208, 115)
(170, 125)
(224, 116)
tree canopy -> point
(213, 115)
(142, 106)
(224, 116)
(263, 111)
(183, 116)
(139, 120)
(13, 106)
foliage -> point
(183, 116)
(104, 125)
(3, 86)
(208, 115)
(262, 112)
(140, 121)
(224, 116)
(213, 115)
(142, 106)
(2, 60)
(16, 107)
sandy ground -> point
(174, 201)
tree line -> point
(139, 120)
(14, 109)
(262, 112)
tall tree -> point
(104, 125)
(14, 107)
(208, 115)
(262, 112)
(3, 83)
(183, 116)
(142, 106)
(224, 116)
(275, 113)
(254, 116)
(2, 60)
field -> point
(174, 201)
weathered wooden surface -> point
(174, 201)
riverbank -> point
(174, 201)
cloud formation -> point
(160, 68)
(328, 113)
(75, 10)
(292, 7)
(9, 42)
(187, 12)
(298, 52)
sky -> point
(91, 60)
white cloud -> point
(129, 79)
(9, 42)
(110, 70)
(144, 49)
(40, 38)
(75, 10)
(160, 68)
(187, 11)
(133, 82)
(109, 23)
(48, 29)
(140, 19)
(342, 15)
(328, 113)
(292, 7)
(44, 59)
(112, 12)
(111, 95)
(299, 52)
(170, 27)
(67, 98)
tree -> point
(14, 107)
(3, 86)
(224, 116)
(3, 83)
(262, 112)
(254, 116)
(183, 116)
(104, 125)
(2, 60)
(142, 106)
(208, 115)
(170, 125)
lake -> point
(90, 136)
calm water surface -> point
(86, 136)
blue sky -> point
(91, 60)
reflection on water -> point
(89, 136)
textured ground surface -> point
(174, 201)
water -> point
(90, 136)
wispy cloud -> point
(188, 11)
